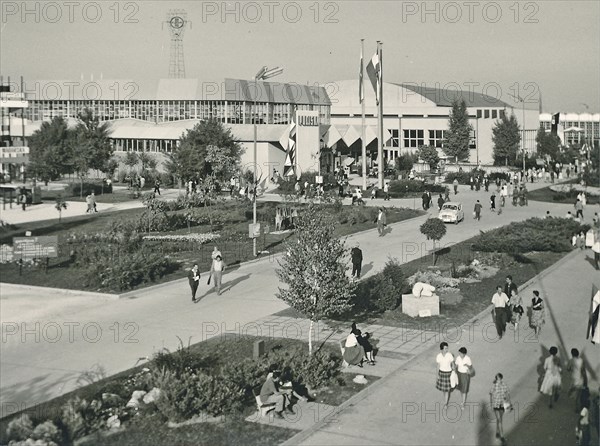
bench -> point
(263, 408)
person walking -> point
(552, 379)
(357, 258)
(578, 378)
(446, 194)
(493, 202)
(510, 289)
(425, 201)
(516, 310)
(477, 210)
(216, 271)
(381, 222)
(157, 186)
(464, 369)
(194, 280)
(386, 192)
(500, 302)
(500, 402)
(93, 200)
(445, 365)
(537, 313)
(455, 184)
(441, 202)
(583, 425)
(596, 248)
(579, 209)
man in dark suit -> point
(357, 258)
(510, 289)
(194, 279)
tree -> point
(60, 205)
(131, 160)
(458, 135)
(429, 155)
(314, 270)
(148, 163)
(548, 144)
(404, 163)
(92, 139)
(193, 158)
(506, 136)
(51, 150)
(434, 229)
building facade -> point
(575, 129)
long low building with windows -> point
(327, 131)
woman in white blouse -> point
(445, 362)
(463, 369)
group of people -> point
(90, 200)
(216, 274)
(508, 307)
(280, 390)
(357, 348)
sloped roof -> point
(444, 97)
(283, 93)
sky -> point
(498, 48)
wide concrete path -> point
(405, 408)
(52, 342)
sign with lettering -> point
(308, 119)
(35, 247)
(254, 230)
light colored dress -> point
(552, 379)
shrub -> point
(534, 234)
(319, 370)
(20, 428)
(74, 189)
(389, 286)
(181, 395)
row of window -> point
(414, 138)
(163, 111)
(487, 114)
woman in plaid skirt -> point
(445, 362)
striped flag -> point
(374, 73)
(288, 167)
(361, 93)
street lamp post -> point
(263, 74)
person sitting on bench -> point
(269, 393)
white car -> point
(452, 212)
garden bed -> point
(230, 220)
(226, 359)
(548, 195)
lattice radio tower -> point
(176, 22)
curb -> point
(303, 435)
(41, 289)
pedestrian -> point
(215, 253)
(374, 192)
(500, 302)
(516, 310)
(357, 258)
(579, 209)
(464, 369)
(477, 210)
(386, 192)
(359, 199)
(216, 271)
(441, 202)
(381, 222)
(157, 186)
(471, 182)
(88, 202)
(455, 184)
(194, 280)
(23, 200)
(538, 317)
(583, 426)
(446, 194)
(552, 380)
(445, 365)
(578, 378)
(500, 402)
(596, 248)
(93, 199)
(493, 202)
(425, 201)
(510, 289)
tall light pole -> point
(263, 74)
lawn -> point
(547, 195)
(234, 430)
(234, 244)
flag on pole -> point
(554, 124)
(361, 93)
(290, 156)
(593, 330)
(374, 73)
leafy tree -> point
(434, 229)
(314, 270)
(458, 135)
(209, 148)
(93, 143)
(547, 144)
(51, 150)
(404, 163)
(506, 137)
(60, 205)
(111, 166)
(148, 162)
(429, 155)
(131, 160)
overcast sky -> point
(516, 47)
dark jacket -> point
(356, 254)
(511, 289)
(191, 277)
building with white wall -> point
(575, 128)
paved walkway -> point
(405, 408)
(48, 350)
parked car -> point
(452, 212)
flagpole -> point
(380, 145)
(362, 103)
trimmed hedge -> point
(464, 177)
(74, 189)
(535, 234)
